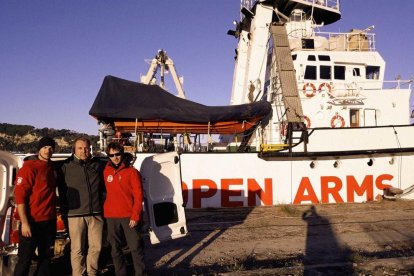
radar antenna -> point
(245, 4)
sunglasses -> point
(115, 154)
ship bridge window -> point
(325, 72)
(372, 72)
(311, 58)
(324, 58)
(310, 72)
(339, 72)
(356, 72)
(308, 44)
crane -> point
(164, 63)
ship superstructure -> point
(319, 79)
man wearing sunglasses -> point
(122, 209)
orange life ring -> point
(309, 92)
(325, 84)
(335, 119)
(307, 121)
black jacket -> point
(81, 187)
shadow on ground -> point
(324, 252)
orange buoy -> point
(337, 121)
(309, 90)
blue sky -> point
(55, 54)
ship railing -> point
(376, 85)
(356, 40)
(398, 84)
(55, 156)
(333, 4)
(354, 91)
(343, 93)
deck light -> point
(237, 31)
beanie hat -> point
(46, 141)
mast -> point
(165, 64)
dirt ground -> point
(374, 238)
(334, 239)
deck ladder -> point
(287, 78)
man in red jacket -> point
(35, 194)
(122, 209)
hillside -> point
(23, 138)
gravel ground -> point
(375, 238)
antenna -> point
(245, 4)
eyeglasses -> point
(115, 154)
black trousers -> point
(117, 229)
(43, 238)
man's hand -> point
(26, 232)
(133, 223)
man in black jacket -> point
(81, 189)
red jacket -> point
(36, 188)
(123, 192)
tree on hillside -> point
(13, 130)
(13, 133)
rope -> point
(262, 65)
(136, 136)
(405, 192)
(401, 159)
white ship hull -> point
(341, 165)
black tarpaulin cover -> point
(123, 100)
